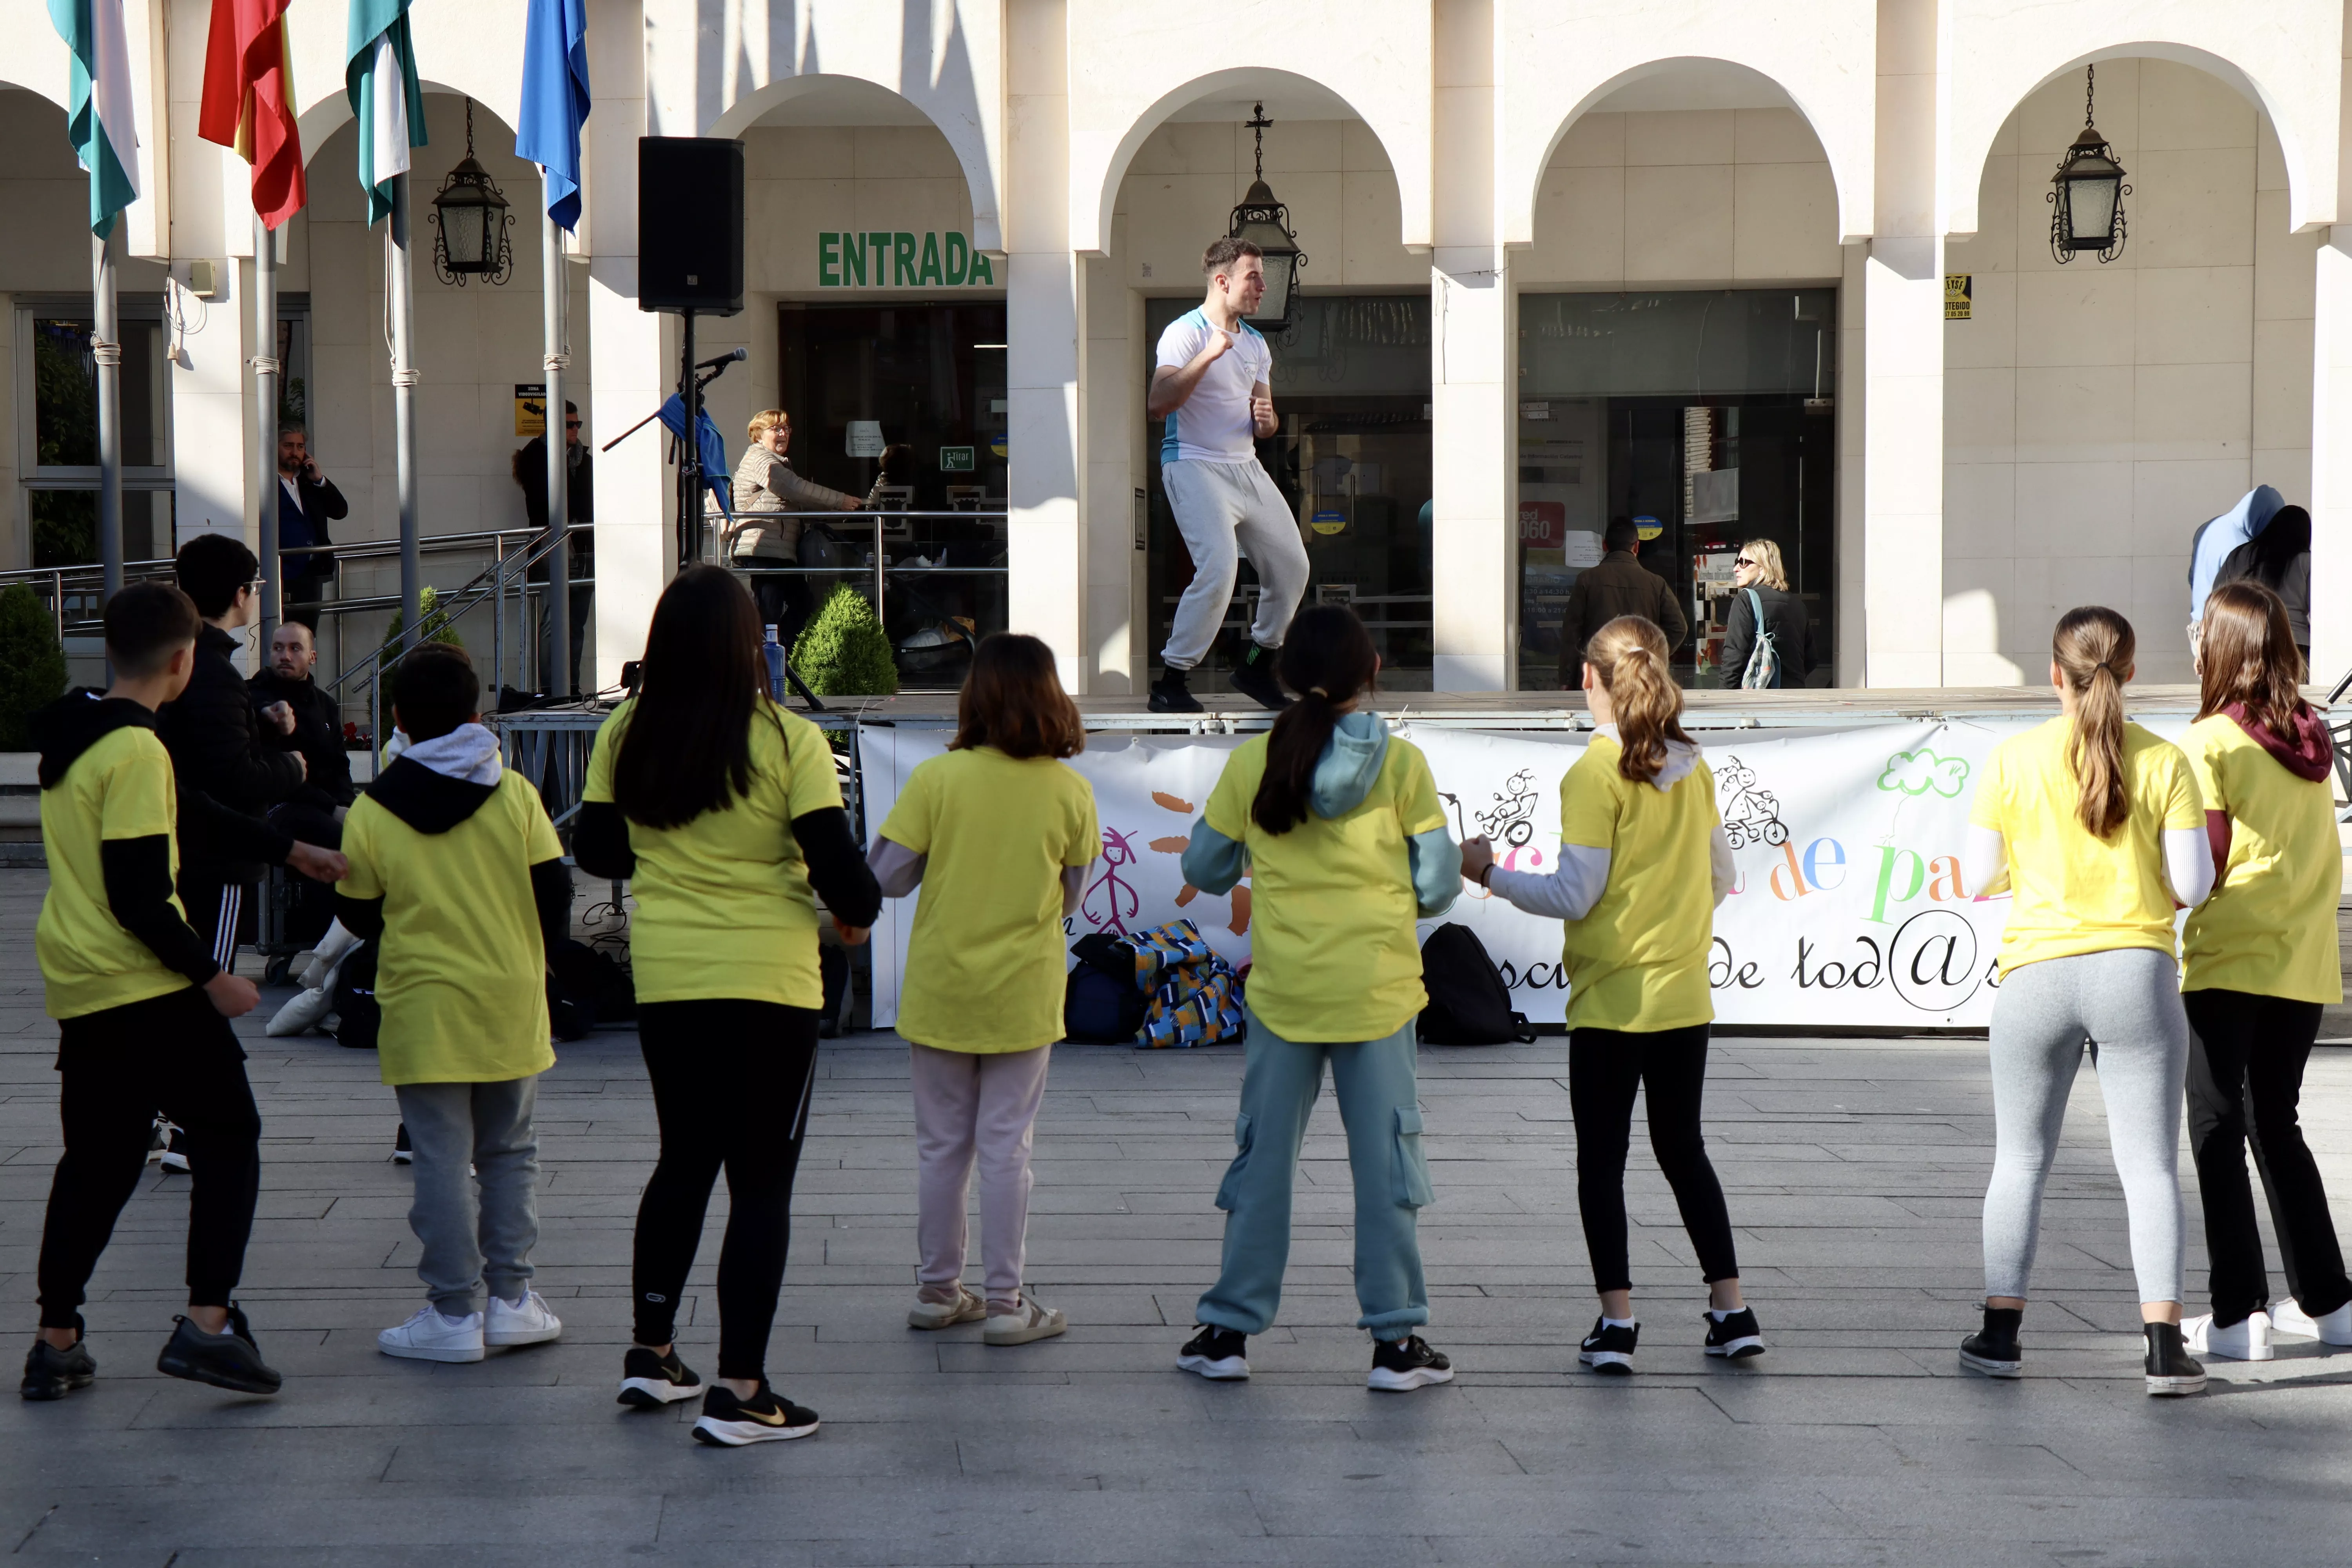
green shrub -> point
(437, 629)
(32, 665)
(845, 652)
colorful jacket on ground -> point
(1196, 997)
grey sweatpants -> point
(467, 1244)
(2124, 1006)
(1225, 509)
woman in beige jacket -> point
(765, 482)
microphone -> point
(733, 356)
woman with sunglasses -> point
(1759, 580)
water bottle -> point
(774, 651)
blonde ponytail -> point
(1632, 657)
(2094, 648)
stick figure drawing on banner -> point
(1119, 850)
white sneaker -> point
(524, 1322)
(429, 1336)
(2287, 1316)
(2247, 1340)
(1034, 1321)
(966, 1308)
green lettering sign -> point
(828, 259)
(887, 258)
(902, 259)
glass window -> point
(1702, 418)
(57, 385)
(1351, 389)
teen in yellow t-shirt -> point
(724, 812)
(1337, 825)
(1643, 863)
(998, 833)
(2261, 962)
(2094, 826)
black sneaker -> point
(766, 1417)
(1169, 694)
(1407, 1364)
(229, 1360)
(2171, 1369)
(52, 1373)
(1252, 676)
(402, 1154)
(648, 1381)
(1219, 1355)
(1993, 1351)
(174, 1159)
(1608, 1349)
(159, 1140)
(1735, 1336)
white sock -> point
(1719, 1314)
(1608, 1322)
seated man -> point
(297, 716)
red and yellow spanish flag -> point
(248, 102)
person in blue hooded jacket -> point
(1338, 827)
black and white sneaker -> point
(1407, 1364)
(648, 1381)
(1252, 676)
(1171, 694)
(1735, 1335)
(766, 1417)
(1993, 1350)
(174, 1158)
(159, 1140)
(1218, 1354)
(402, 1154)
(1609, 1348)
(2171, 1369)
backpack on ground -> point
(1102, 1005)
(1468, 1003)
(357, 1014)
(1763, 671)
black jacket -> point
(307, 524)
(223, 765)
(580, 503)
(1793, 634)
(318, 735)
(1619, 585)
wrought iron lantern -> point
(2087, 194)
(1266, 222)
(470, 217)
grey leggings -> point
(2125, 1004)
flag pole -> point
(267, 371)
(106, 350)
(402, 286)
(560, 629)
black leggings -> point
(2246, 1056)
(727, 1076)
(115, 1069)
(1605, 1066)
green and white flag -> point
(380, 77)
(100, 120)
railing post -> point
(879, 557)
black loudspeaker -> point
(690, 224)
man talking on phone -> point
(307, 501)
(1211, 384)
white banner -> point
(1849, 909)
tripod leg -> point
(801, 687)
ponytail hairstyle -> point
(1631, 656)
(1327, 660)
(2246, 654)
(2093, 648)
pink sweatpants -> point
(972, 1107)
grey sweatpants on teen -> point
(468, 1244)
(2124, 1006)
(1225, 509)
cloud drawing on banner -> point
(1918, 772)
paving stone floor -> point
(1854, 1170)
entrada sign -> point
(887, 258)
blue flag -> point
(555, 101)
(715, 472)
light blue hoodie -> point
(1344, 776)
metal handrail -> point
(729, 536)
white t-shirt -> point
(1213, 425)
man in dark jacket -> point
(580, 508)
(286, 693)
(307, 501)
(1619, 585)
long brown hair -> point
(1326, 660)
(1014, 701)
(2093, 647)
(687, 747)
(2246, 653)
(1630, 656)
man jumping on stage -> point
(1211, 385)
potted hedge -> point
(845, 652)
(32, 664)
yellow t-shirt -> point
(2270, 927)
(1332, 909)
(2071, 893)
(724, 907)
(1637, 961)
(120, 788)
(985, 965)
(462, 975)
